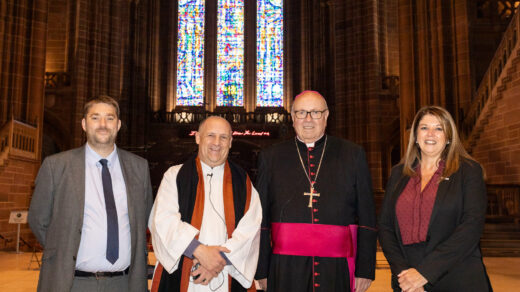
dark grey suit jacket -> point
(56, 216)
(452, 260)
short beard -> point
(92, 140)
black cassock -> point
(344, 184)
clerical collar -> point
(208, 169)
(313, 144)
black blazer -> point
(452, 260)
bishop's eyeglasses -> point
(314, 114)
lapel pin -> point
(446, 178)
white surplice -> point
(171, 236)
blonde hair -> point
(452, 153)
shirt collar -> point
(436, 174)
(92, 157)
(208, 169)
(313, 144)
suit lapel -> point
(442, 191)
(78, 180)
(441, 194)
(403, 181)
(130, 182)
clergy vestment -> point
(172, 232)
(310, 245)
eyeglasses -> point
(314, 114)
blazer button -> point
(74, 258)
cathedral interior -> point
(172, 63)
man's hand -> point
(263, 284)
(411, 280)
(362, 284)
(210, 258)
(205, 276)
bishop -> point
(339, 249)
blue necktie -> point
(110, 205)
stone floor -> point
(19, 274)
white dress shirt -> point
(92, 248)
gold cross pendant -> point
(311, 195)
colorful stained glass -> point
(190, 53)
(269, 53)
(230, 53)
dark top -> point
(451, 259)
(345, 189)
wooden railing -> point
(487, 86)
(194, 115)
(18, 139)
(503, 203)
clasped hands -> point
(211, 262)
(411, 281)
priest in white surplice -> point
(205, 222)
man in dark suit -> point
(90, 209)
(318, 208)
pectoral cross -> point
(311, 195)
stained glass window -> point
(190, 53)
(230, 53)
(269, 50)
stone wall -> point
(498, 148)
(16, 186)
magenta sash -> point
(316, 240)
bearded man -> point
(89, 211)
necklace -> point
(312, 192)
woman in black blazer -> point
(434, 210)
